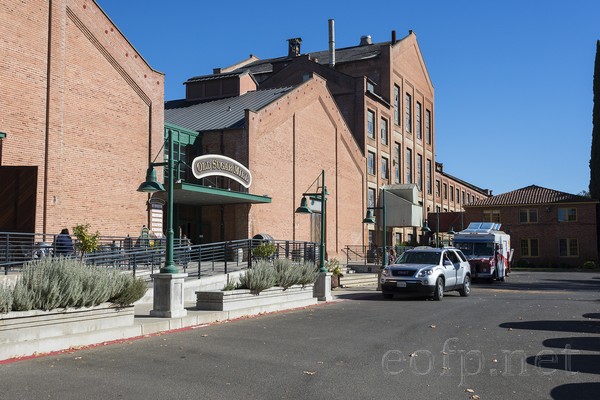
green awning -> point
(2, 135)
(198, 195)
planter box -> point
(27, 332)
(273, 299)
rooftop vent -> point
(365, 40)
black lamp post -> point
(304, 209)
(151, 185)
(370, 219)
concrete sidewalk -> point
(143, 325)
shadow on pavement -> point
(541, 285)
(590, 343)
(377, 296)
(571, 363)
(579, 391)
(556, 326)
(592, 315)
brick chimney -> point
(294, 47)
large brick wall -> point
(291, 141)
(547, 231)
(81, 104)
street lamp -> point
(370, 219)
(151, 185)
(304, 209)
(168, 295)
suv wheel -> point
(439, 289)
(466, 287)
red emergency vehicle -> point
(487, 248)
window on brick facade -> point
(419, 166)
(529, 248)
(371, 163)
(384, 168)
(396, 104)
(371, 124)
(567, 215)
(384, 131)
(428, 174)
(452, 193)
(437, 188)
(371, 198)
(491, 216)
(528, 215)
(409, 176)
(458, 195)
(568, 248)
(397, 161)
(408, 113)
(445, 186)
(428, 126)
(419, 121)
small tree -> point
(86, 242)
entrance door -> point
(18, 187)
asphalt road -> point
(536, 336)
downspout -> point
(47, 123)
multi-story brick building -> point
(547, 227)
(82, 113)
(385, 96)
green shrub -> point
(132, 290)
(334, 267)
(231, 284)
(262, 276)
(264, 250)
(6, 297)
(288, 274)
(55, 283)
(589, 264)
(86, 242)
(308, 272)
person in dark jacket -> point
(63, 244)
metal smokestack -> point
(331, 44)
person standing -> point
(63, 244)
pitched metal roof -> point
(228, 113)
(531, 195)
(342, 55)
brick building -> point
(82, 114)
(547, 227)
(383, 93)
(272, 131)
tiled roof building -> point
(547, 227)
(531, 195)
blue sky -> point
(513, 78)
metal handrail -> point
(146, 256)
(365, 255)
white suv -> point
(427, 271)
